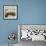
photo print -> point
(32, 32)
(10, 12)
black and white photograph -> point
(30, 35)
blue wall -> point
(7, 26)
(29, 12)
(33, 11)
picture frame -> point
(10, 12)
(33, 31)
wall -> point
(7, 26)
(29, 12)
(33, 11)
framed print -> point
(10, 11)
(32, 32)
